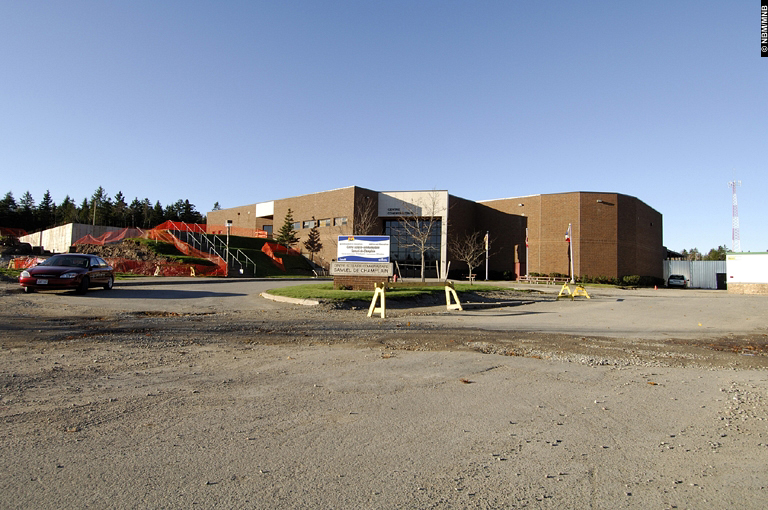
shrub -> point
(631, 280)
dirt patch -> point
(129, 249)
(331, 324)
(323, 407)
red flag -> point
(568, 233)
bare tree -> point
(470, 249)
(419, 222)
(366, 220)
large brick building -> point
(613, 235)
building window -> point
(324, 223)
(296, 225)
(404, 251)
(309, 224)
(339, 222)
(267, 229)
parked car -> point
(76, 271)
(676, 280)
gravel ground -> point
(116, 403)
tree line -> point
(713, 254)
(99, 209)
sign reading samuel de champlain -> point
(361, 269)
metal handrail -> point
(213, 244)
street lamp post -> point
(229, 226)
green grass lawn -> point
(10, 274)
(327, 292)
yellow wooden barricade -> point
(380, 294)
(566, 291)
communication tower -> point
(736, 246)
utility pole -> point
(735, 241)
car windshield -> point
(66, 261)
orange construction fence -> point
(24, 262)
(13, 232)
(149, 268)
(200, 228)
(238, 231)
(110, 237)
(165, 235)
(272, 250)
(141, 267)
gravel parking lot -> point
(180, 392)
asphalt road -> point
(178, 295)
(643, 313)
(632, 313)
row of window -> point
(402, 247)
(325, 222)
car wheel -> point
(109, 284)
(84, 284)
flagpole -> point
(486, 255)
(526, 253)
(570, 247)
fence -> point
(701, 274)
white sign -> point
(396, 204)
(382, 269)
(363, 249)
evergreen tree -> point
(157, 216)
(46, 211)
(84, 212)
(216, 206)
(170, 212)
(189, 214)
(313, 244)
(102, 207)
(716, 253)
(8, 211)
(66, 212)
(119, 211)
(27, 212)
(287, 235)
(135, 212)
(146, 213)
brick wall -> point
(243, 218)
(328, 205)
(645, 250)
(598, 235)
(618, 236)
(555, 213)
(357, 282)
(612, 234)
(507, 235)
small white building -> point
(747, 273)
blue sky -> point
(241, 102)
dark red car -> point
(76, 271)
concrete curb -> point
(294, 301)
